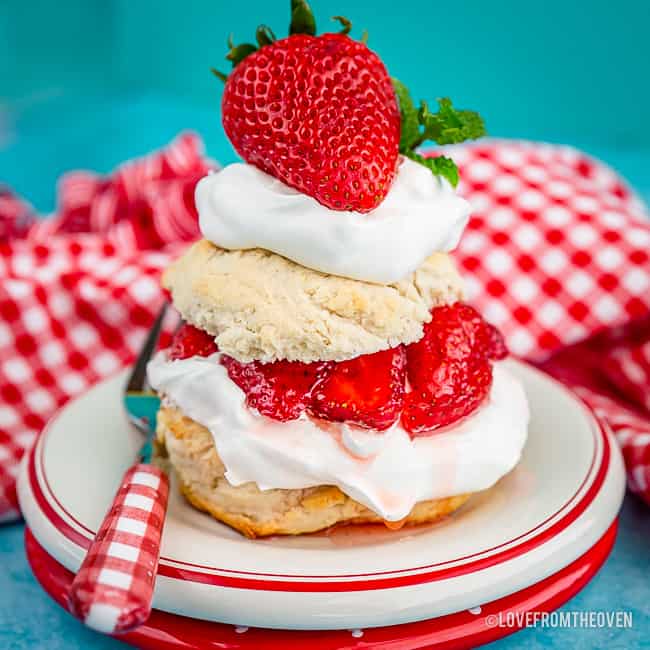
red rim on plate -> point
(464, 629)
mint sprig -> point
(409, 115)
(447, 126)
(438, 165)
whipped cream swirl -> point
(386, 471)
(241, 207)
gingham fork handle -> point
(113, 590)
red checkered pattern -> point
(555, 254)
(16, 216)
(78, 291)
(611, 373)
(632, 433)
(113, 589)
(558, 247)
(628, 366)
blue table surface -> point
(42, 141)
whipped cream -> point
(241, 207)
(386, 471)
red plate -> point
(465, 629)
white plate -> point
(547, 512)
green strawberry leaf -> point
(302, 22)
(345, 23)
(219, 75)
(264, 35)
(447, 126)
(302, 18)
(238, 53)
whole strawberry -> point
(321, 114)
(317, 112)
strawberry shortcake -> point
(328, 369)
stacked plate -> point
(529, 543)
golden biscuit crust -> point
(255, 513)
(261, 306)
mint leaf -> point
(443, 166)
(440, 166)
(410, 124)
(447, 126)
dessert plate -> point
(549, 511)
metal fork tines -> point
(140, 402)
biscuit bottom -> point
(190, 449)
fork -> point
(113, 589)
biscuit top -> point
(261, 306)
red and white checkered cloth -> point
(556, 255)
(113, 590)
(78, 291)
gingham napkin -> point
(556, 255)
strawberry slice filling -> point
(279, 390)
(190, 341)
(367, 391)
(449, 374)
(449, 368)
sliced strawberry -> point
(279, 390)
(449, 368)
(460, 389)
(368, 390)
(496, 347)
(190, 341)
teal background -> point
(88, 83)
